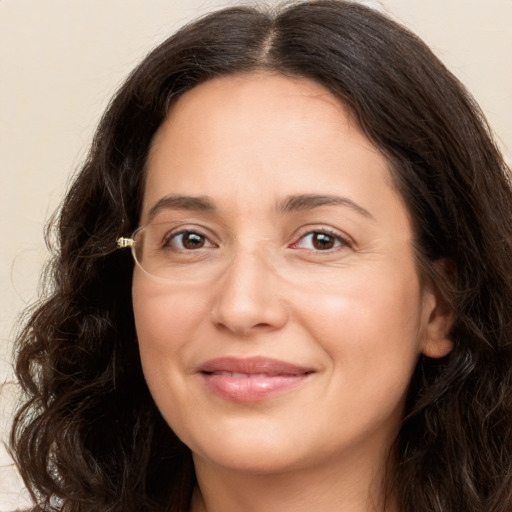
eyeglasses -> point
(167, 253)
(189, 255)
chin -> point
(251, 450)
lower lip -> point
(251, 389)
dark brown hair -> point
(89, 436)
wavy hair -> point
(89, 436)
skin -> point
(356, 314)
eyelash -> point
(171, 237)
(338, 239)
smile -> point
(253, 379)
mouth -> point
(251, 379)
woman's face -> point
(292, 318)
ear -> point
(439, 315)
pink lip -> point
(251, 379)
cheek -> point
(371, 324)
(165, 321)
(162, 313)
(379, 301)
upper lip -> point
(253, 365)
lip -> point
(251, 379)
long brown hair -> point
(89, 436)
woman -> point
(319, 317)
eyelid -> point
(345, 240)
(174, 234)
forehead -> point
(229, 95)
(261, 114)
(261, 135)
(265, 95)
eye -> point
(321, 241)
(188, 241)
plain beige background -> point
(61, 60)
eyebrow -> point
(304, 202)
(177, 202)
(300, 202)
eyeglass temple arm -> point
(124, 242)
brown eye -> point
(321, 241)
(188, 240)
(193, 241)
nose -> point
(248, 299)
